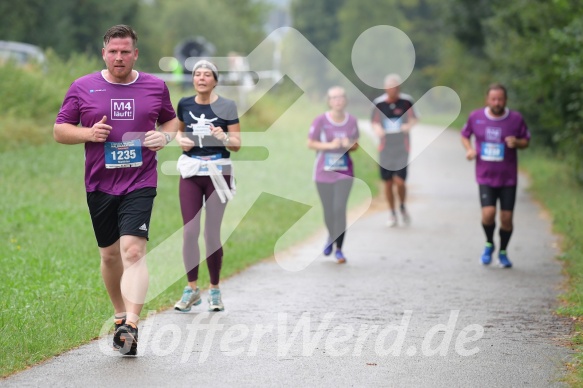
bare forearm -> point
(171, 127)
(378, 129)
(318, 145)
(466, 143)
(470, 152)
(409, 124)
(522, 143)
(71, 134)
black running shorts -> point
(490, 195)
(114, 216)
(387, 175)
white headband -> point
(206, 65)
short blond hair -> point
(336, 89)
(393, 80)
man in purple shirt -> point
(498, 133)
(114, 112)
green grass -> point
(546, 176)
(553, 183)
(53, 298)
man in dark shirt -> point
(392, 119)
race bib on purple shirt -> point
(335, 161)
(123, 154)
(492, 152)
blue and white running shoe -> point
(487, 254)
(503, 259)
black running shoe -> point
(118, 322)
(126, 337)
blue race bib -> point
(392, 125)
(123, 154)
(335, 161)
(204, 170)
(492, 152)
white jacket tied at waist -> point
(189, 167)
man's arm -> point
(375, 123)
(470, 151)
(514, 142)
(156, 140)
(171, 128)
(66, 133)
(411, 121)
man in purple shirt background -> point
(498, 133)
(114, 112)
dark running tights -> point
(194, 192)
(334, 197)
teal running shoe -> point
(189, 298)
(214, 299)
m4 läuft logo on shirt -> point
(122, 109)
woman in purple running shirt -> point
(333, 135)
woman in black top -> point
(209, 130)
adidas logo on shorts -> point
(144, 228)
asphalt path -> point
(412, 307)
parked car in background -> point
(21, 54)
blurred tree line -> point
(77, 26)
(532, 46)
(66, 26)
(535, 47)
